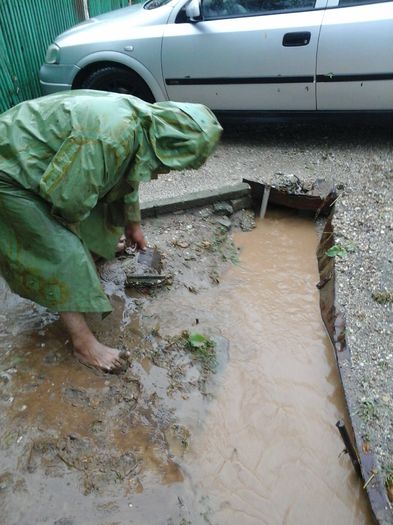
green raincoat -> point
(70, 167)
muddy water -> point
(268, 448)
(256, 445)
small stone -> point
(64, 521)
(4, 378)
(222, 208)
(224, 222)
(6, 481)
(180, 243)
(205, 213)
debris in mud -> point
(189, 358)
(76, 396)
(136, 269)
(290, 191)
(247, 220)
(178, 437)
(292, 184)
(97, 466)
(202, 349)
(223, 208)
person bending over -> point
(70, 167)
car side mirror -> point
(193, 11)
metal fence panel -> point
(98, 7)
(27, 27)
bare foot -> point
(94, 353)
(86, 347)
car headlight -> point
(52, 54)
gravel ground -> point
(358, 161)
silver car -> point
(239, 57)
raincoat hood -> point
(183, 135)
(171, 136)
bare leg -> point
(86, 347)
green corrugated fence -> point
(97, 7)
(27, 27)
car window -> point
(228, 8)
(345, 3)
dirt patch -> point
(62, 420)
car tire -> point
(118, 80)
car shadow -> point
(342, 134)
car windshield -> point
(153, 4)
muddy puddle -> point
(240, 429)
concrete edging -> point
(195, 199)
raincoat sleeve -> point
(81, 171)
(131, 204)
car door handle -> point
(300, 38)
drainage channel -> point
(256, 444)
(268, 451)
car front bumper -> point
(57, 77)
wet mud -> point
(226, 413)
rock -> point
(4, 377)
(222, 208)
(322, 188)
(6, 481)
(224, 222)
(288, 182)
(205, 213)
(180, 243)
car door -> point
(245, 55)
(355, 56)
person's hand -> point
(134, 236)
